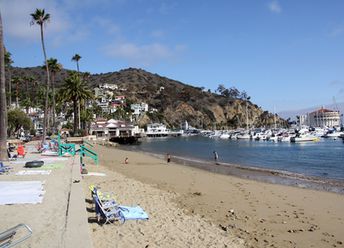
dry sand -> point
(189, 207)
(51, 221)
(47, 220)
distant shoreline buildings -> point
(321, 118)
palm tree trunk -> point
(75, 107)
(47, 88)
(3, 106)
(79, 115)
(53, 110)
(17, 94)
(8, 74)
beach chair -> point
(109, 214)
(15, 235)
(106, 199)
(4, 168)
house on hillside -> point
(139, 108)
(108, 86)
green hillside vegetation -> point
(175, 101)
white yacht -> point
(303, 136)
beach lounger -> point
(4, 168)
(118, 212)
(106, 199)
(109, 214)
(15, 235)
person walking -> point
(216, 157)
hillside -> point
(175, 101)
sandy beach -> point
(189, 207)
(60, 219)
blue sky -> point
(286, 54)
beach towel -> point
(49, 153)
(21, 192)
(133, 213)
(33, 172)
(95, 174)
(51, 166)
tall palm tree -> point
(8, 63)
(76, 58)
(74, 90)
(17, 81)
(3, 106)
(54, 67)
(40, 17)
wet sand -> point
(261, 214)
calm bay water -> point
(324, 159)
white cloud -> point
(275, 7)
(16, 18)
(109, 26)
(147, 54)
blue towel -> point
(133, 213)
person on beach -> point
(168, 158)
(216, 157)
(126, 161)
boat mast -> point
(246, 116)
(275, 117)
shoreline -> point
(254, 173)
(262, 214)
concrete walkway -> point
(77, 230)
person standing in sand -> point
(126, 161)
(216, 157)
(168, 156)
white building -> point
(157, 130)
(139, 108)
(108, 86)
(321, 118)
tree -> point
(17, 119)
(8, 63)
(17, 81)
(41, 18)
(74, 90)
(3, 105)
(76, 58)
(54, 67)
(220, 88)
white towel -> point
(21, 192)
(33, 172)
(95, 174)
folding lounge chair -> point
(109, 214)
(105, 199)
(4, 168)
(8, 237)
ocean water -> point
(323, 159)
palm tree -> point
(75, 90)
(3, 106)
(76, 58)
(8, 63)
(40, 17)
(54, 67)
(17, 81)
